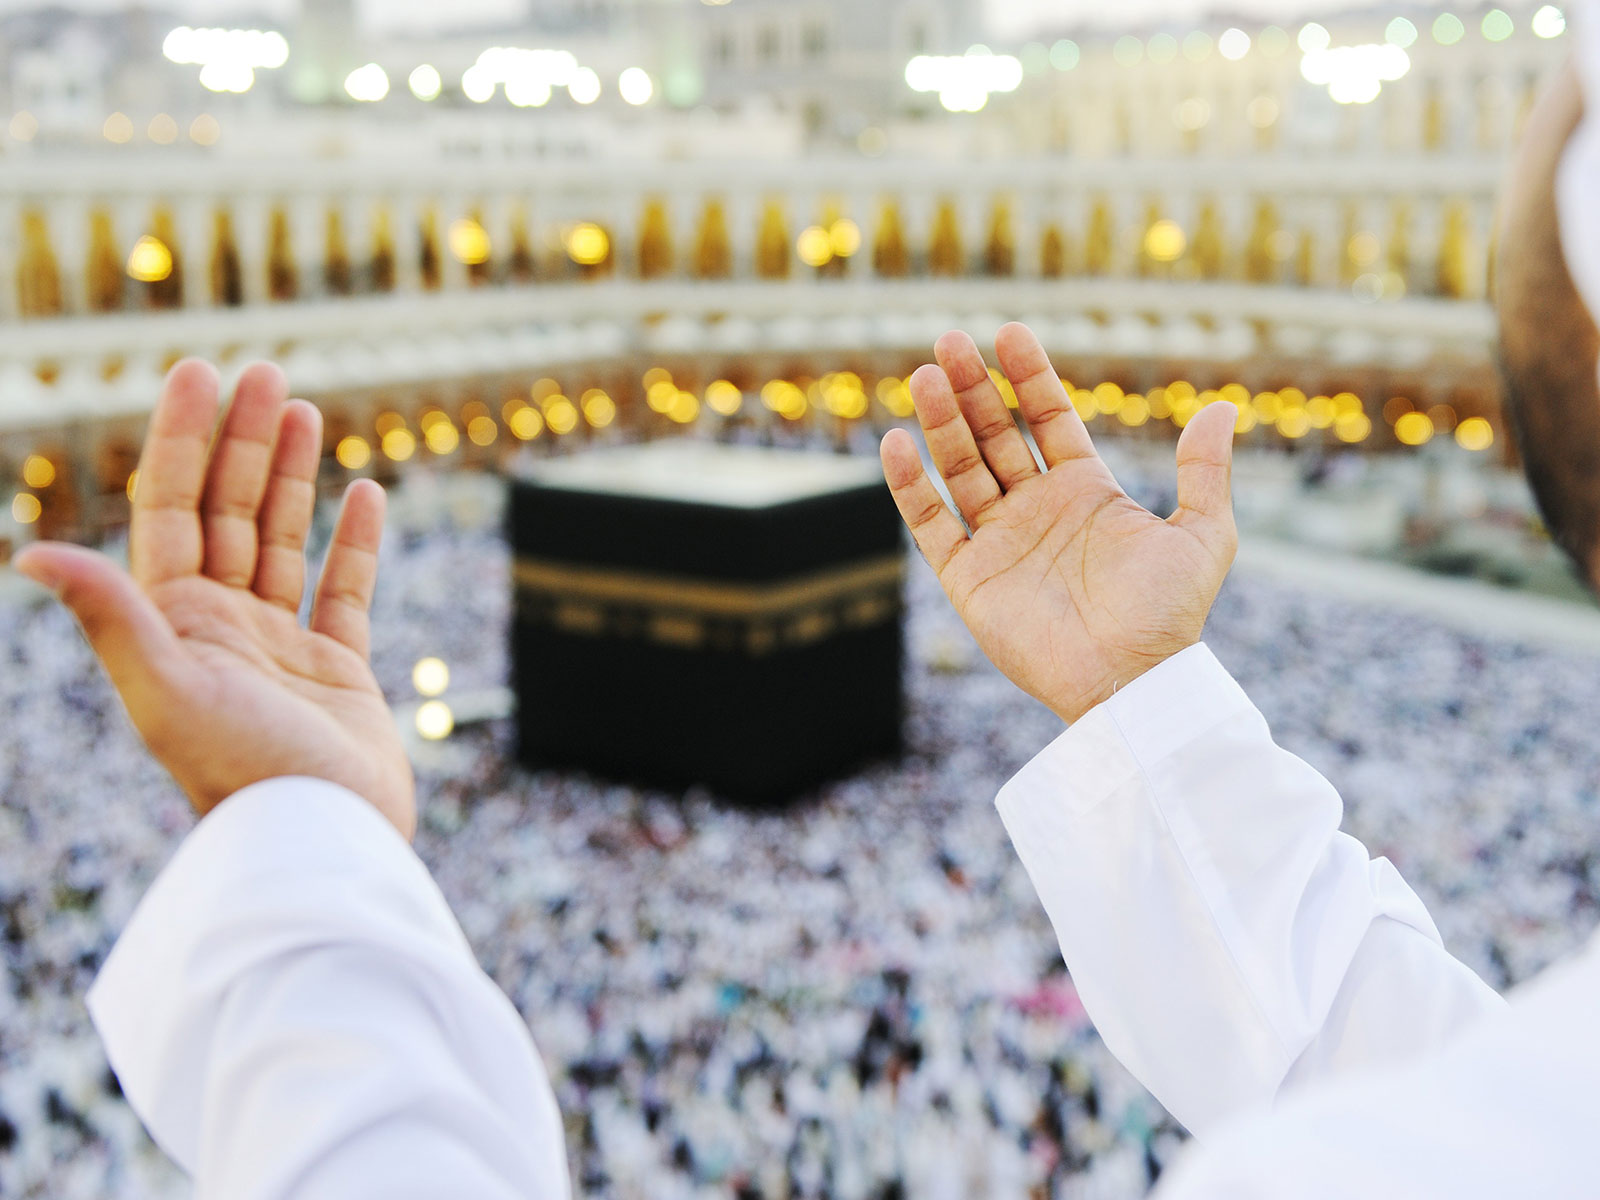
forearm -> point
(1225, 937)
(294, 1011)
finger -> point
(237, 479)
(993, 428)
(937, 532)
(164, 532)
(287, 508)
(950, 442)
(1057, 428)
(1205, 466)
(350, 575)
(129, 635)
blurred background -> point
(521, 228)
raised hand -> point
(1068, 585)
(203, 640)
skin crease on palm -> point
(1068, 585)
(201, 637)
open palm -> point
(202, 640)
(1069, 586)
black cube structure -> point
(694, 613)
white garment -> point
(1233, 947)
(293, 1011)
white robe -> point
(294, 1012)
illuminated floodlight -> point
(1355, 74)
(1313, 37)
(1234, 44)
(367, 84)
(1549, 22)
(227, 75)
(528, 91)
(425, 82)
(964, 82)
(1400, 32)
(1497, 25)
(585, 85)
(636, 86)
(477, 85)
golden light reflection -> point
(1107, 398)
(482, 431)
(1165, 241)
(1294, 423)
(25, 508)
(844, 237)
(684, 408)
(469, 242)
(1475, 433)
(150, 261)
(1414, 429)
(399, 444)
(133, 484)
(526, 423)
(815, 247)
(442, 437)
(38, 472)
(1352, 427)
(561, 415)
(352, 453)
(588, 245)
(435, 721)
(724, 398)
(598, 408)
(430, 677)
(1134, 410)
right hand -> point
(1068, 585)
(203, 640)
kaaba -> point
(696, 613)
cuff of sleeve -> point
(270, 867)
(1156, 715)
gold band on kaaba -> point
(751, 618)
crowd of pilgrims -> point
(856, 998)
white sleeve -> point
(293, 1011)
(1509, 1108)
(1224, 936)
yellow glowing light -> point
(1475, 434)
(1294, 423)
(435, 721)
(1180, 390)
(543, 389)
(1268, 406)
(1134, 410)
(430, 677)
(431, 417)
(1345, 403)
(1003, 386)
(724, 398)
(442, 437)
(150, 260)
(1321, 411)
(1352, 427)
(785, 399)
(599, 409)
(815, 247)
(561, 415)
(684, 409)
(482, 431)
(895, 395)
(656, 375)
(388, 421)
(588, 245)
(1107, 398)
(118, 129)
(399, 444)
(133, 484)
(1235, 393)
(1364, 249)
(25, 508)
(844, 236)
(1414, 428)
(352, 452)
(661, 395)
(1083, 401)
(843, 396)
(1160, 403)
(1246, 420)
(163, 130)
(526, 423)
(1165, 241)
(38, 472)
(1292, 397)
(469, 242)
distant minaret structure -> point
(324, 51)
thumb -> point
(129, 635)
(1205, 470)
